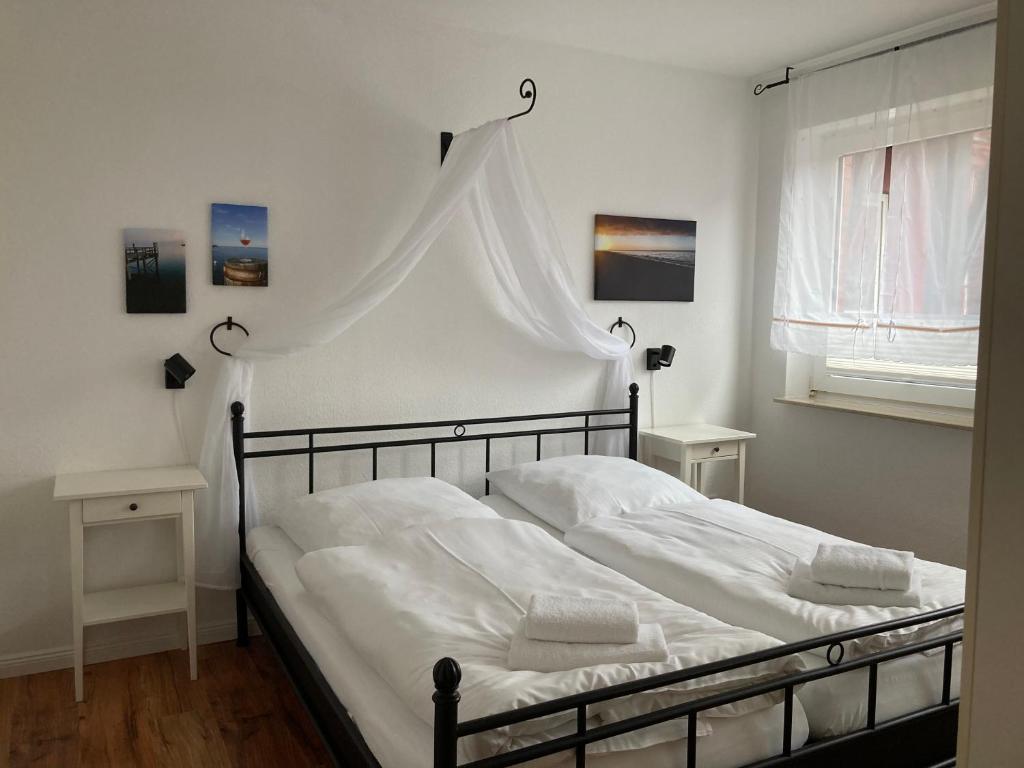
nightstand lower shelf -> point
(110, 605)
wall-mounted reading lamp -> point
(660, 357)
(177, 371)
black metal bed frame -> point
(922, 739)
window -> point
(882, 228)
(892, 270)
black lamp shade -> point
(177, 371)
(660, 357)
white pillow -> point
(361, 513)
(568, 490)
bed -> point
(360, 724)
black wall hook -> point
(527, 90)
(229, 324)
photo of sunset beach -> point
(238, 236)
(639, 259)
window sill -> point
(945, 416)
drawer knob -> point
(133, 506)
(716, 449)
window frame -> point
(891, 386)
(872, 380)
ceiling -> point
(735, 37)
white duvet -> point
(734, 563)
(460, 588)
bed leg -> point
(447, 676)
(242, 620)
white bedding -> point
(734, 562)
(567, 490)
(461, 587)
(733, 741)
(835, 705)
(358, 514)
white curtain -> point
(486, 172)
(883, 205)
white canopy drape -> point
(485, 170)
(880, 249)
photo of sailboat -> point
(238, 234)
(641, 259)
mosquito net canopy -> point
(486, 173)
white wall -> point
(132, 113)
(881, 481)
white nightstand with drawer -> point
(693, 445)
(123, 496)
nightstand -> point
(694, 445)
(126, 496)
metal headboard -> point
(460, 435)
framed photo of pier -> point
(154, 270)
(639, 259)
(238, 238)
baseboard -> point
(18, 664)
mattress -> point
(839, 705)
(835, 705)
(732, 741)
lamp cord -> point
(177, 423)
(652, 399)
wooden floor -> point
(145, 711)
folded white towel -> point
(801, 585)
(566, 619)
(546, 656)
(856, 565)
